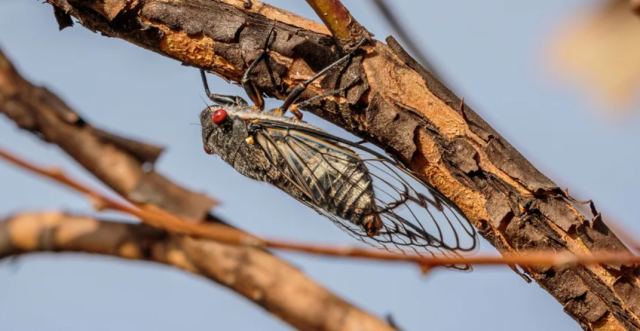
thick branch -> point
(262, 278)
(394, 102)
(257, 275)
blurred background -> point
(557, 78)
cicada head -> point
(222, 130)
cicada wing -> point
(415, 214)
(286, 162)
(415, 217)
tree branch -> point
(42, 113)
(259, 276)
(398, 105)
(344, 27)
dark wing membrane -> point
(415, 216)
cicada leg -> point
(247, 84)
(301, 87)
(295, 111)
(296, 106)
(250, 88)
(372, 224)
(222, 99)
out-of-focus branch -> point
(149, 214)
(253, 273)
(635, 6)
(257, 275)
(596, 49)
(42, 113)
(392, 101)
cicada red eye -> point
(219, 116)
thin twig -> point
(161, 219)
(344, 27)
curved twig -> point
(175, 225)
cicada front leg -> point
(247, 84)
(289, 102)
(221, 99)
(250, 88)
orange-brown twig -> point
(161, 219)
(531, 259)
(344, 27)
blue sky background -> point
(490, 51)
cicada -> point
(365, 192)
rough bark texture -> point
(393, 102)
(262, 278)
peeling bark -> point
(391, 101)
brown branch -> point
(344, 27)
(257, 275)
(253, 273)
(148, 214)
(41, 112)
(403, 108)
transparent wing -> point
(415, 217)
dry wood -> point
(255, 274)
(393, 102)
